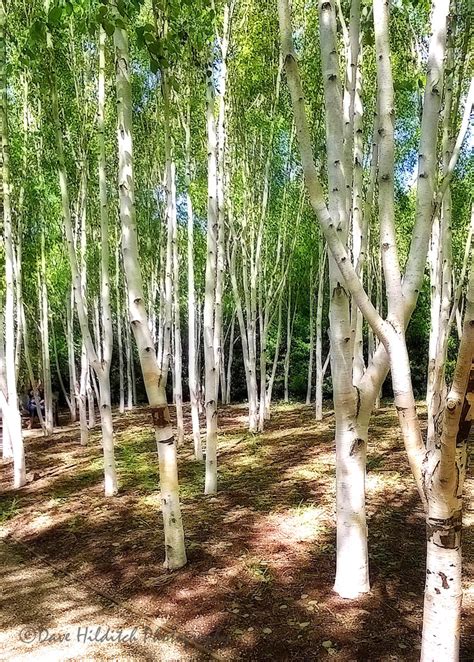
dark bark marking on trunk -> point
(358, 402)
(445, 533)
(161, 416)
(444, 580)
(357, 444)
(167, 442)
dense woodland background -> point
(254, 118)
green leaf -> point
(37, 31)
(121, 7)
(139, 35)
(102, 12)
(156, 48)
(148, 36)
(174, 84)
(154, 65)
(54, 15)
(109, 27)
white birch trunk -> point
(129, 359)
(220, 174)
(211, 374)
(73, 393)
(309, 387)
(192, 349)
(172, 268)
(56, 362)
(82, 398)
(352, 557)
(13, 419)
(271, 381)
(118, 312)
(90, 388)
(7, 450)
(289, 334)
(44, 332)
(445, 470)
(175, 553)
(391, 337)
(230, 359)
(90, 354)
(105, 322)
(318, 398)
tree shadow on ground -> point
(261, 552)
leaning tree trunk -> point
(175, 553)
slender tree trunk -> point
(220, 188)
(73, 391)
(90, 389)
(289, 335)
(175, 553)
(319, 332)
(118, 312)
(210, 292)
(105, 403)
(44, 327)
(271, 381)
(56, 363)
(178, 356)
(129, 361)
(445, 470)
(222, 370)
(90, 355)
(263, 314)
(7, 450)
(309, 387)
(82, 399)
(192, 349)
(172, 267)
(14, 419)
(230, 360)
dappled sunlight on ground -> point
(261, 552)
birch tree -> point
(101, 367)
(175, 553)
(391, 331)
(12, 418)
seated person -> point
(32, 407)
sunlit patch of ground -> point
(261, 552)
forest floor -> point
(258, 585)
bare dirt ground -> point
(258, 585)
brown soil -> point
(258, 585)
